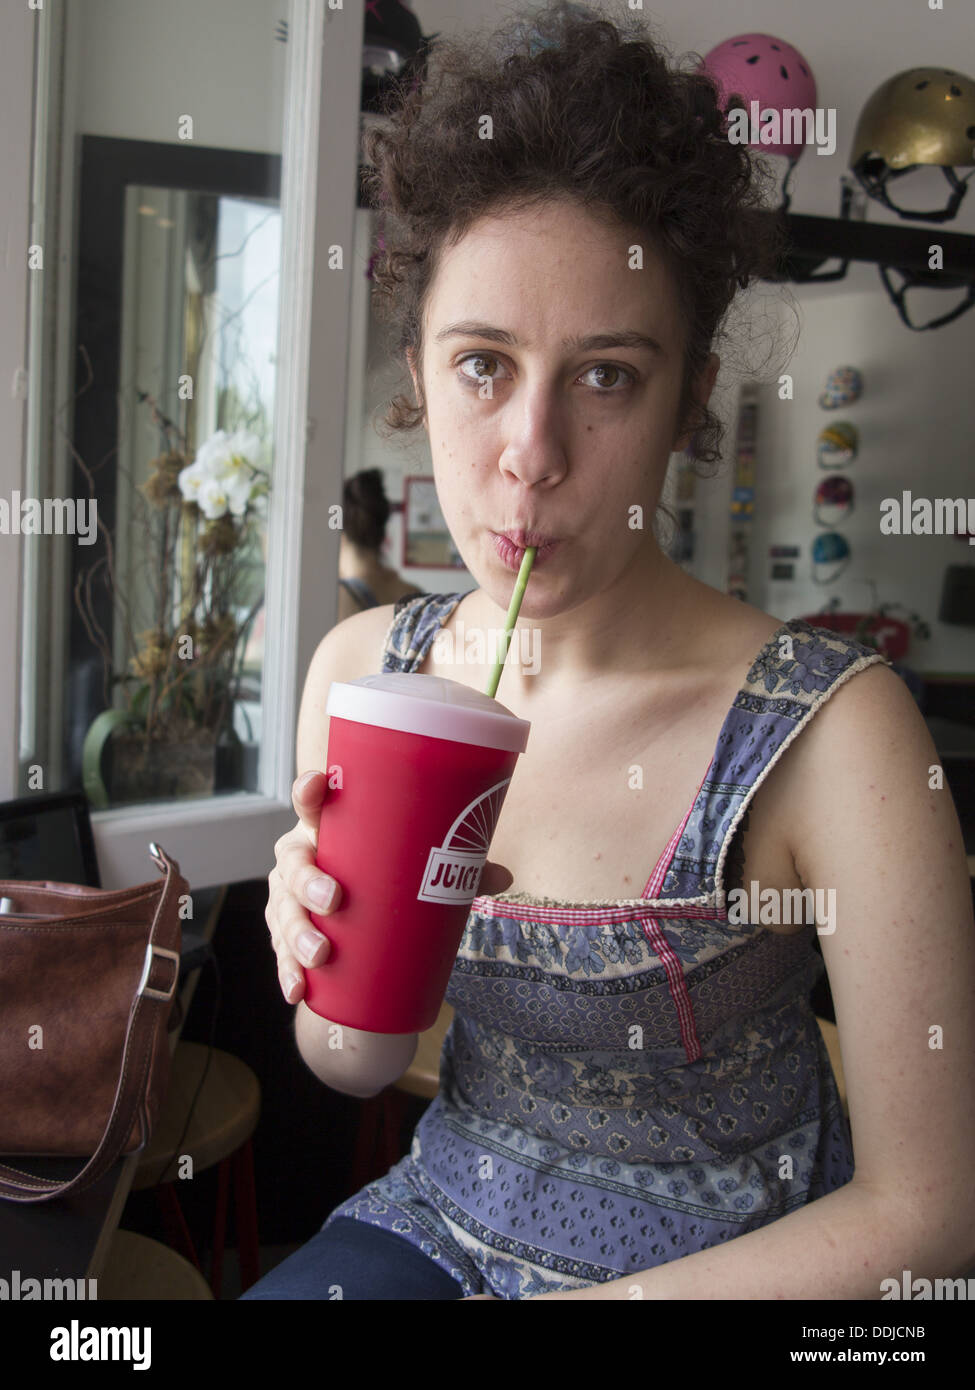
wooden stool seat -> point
(224, 1117)
(140, 1268)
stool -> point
(377, 1141)
(140, 1268)
(224, 1118)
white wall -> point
(916, 420)
(144, 64)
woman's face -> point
(566, 437)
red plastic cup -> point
(418, 768)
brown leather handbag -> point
(87, 980)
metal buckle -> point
(158, 993)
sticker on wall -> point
(834, 496)
(843, 387)
(837, 444)
(829, 550)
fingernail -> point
(291, 982)
(322, 891)
(308, 943)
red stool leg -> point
(219, 1227)
(174, 1223)
(245, 1208)
(394, 1113)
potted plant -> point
(173, 733)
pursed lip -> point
(523, 539)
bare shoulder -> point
(871, 713)
(350, 649)
(866, 756)
(354, 646)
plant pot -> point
(140, 769)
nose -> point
(534, 433)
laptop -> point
(48, 835)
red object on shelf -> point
(891, 634)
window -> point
(179, 314)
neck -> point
(357, 563)
(639, 624)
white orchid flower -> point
(221, 478)
(213, 499)
(229, 455)
(190, 480)
(238, 492)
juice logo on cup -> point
(453, 868)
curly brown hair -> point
(597, 115)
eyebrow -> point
(468, 328)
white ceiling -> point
(852, 47)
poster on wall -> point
(427, 543)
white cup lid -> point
(430, 705)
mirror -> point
(180, 305)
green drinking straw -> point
(528, 559)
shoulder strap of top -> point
(417, 618)
(793, 675)
(360, 590)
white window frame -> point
(228, 838)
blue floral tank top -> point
(622, 1080)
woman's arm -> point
(901, 965)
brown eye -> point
(479, 361)
(620, 378)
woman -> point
(635, 1099)
(364, 581)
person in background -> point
(364, 581)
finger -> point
(291, 978)
(298, 939)
(295, 861)
(307, 796)
(495, 878)
(290, 975)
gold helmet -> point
(921, 116)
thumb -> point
(495, 878)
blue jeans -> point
(363, 1261)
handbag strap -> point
(19, 1186)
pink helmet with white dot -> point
(762, 68)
